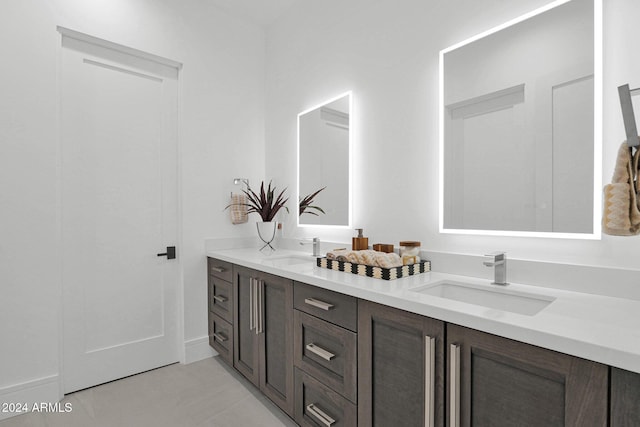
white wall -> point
(221, 137)
(387, 53)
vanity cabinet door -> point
(327, 352)
(221, 337)
(275, 332)
(221, 298)
(264, 333)
(339, 309)
(220, 304)
(400, 368)
(223, 270)
(246, 344)
(320, 406)
(494, 381)
(625, 398)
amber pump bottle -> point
(360, 242)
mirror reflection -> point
(518, 126)
(323, 164)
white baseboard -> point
(198, 349)
(41, 390)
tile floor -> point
(204, 393)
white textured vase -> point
(267, 232)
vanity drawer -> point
(328, 305)
(221, 298)
(221, 337)
(220, 269)
(326, 351)
(318, 406)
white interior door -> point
(119, 210)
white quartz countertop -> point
(599, 328)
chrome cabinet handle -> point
(319, 304)
(454, 385)
(319, 351)
(219, 337)
(252, 305)
(429, 380)
(218, 269)
(219, 298)
(320, 415)
(259, 298)
(255, 304)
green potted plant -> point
(305, 204)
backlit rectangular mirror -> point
(520, 126)
(324, 164)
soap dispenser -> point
(360, 242)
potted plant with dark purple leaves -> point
(305, 205)
(266, 204)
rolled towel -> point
(353, 257)
(388, 260)
(336, 253)
(366, 257)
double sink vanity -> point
(337, 349)
(332, 348)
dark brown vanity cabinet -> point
(625, 398)
(220, 303)
(400, 368)
(263, 333)
(494, 381)
(325, 357)
(317, 405)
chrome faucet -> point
(316, 246)
(499, 262)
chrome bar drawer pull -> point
(319, 351)
(319, 304)
(454, 384)
(252, 304)
(218, 269)
(219, 298)
(256, 302)
(259, 303)
(430, 381)
(320, 415)
(219, 337)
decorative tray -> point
(376, 272)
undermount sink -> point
(288, 260)
(496, 297)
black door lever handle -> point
(171, 252)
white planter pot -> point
(267, 232)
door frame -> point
(66, 34)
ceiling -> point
(261, 12)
